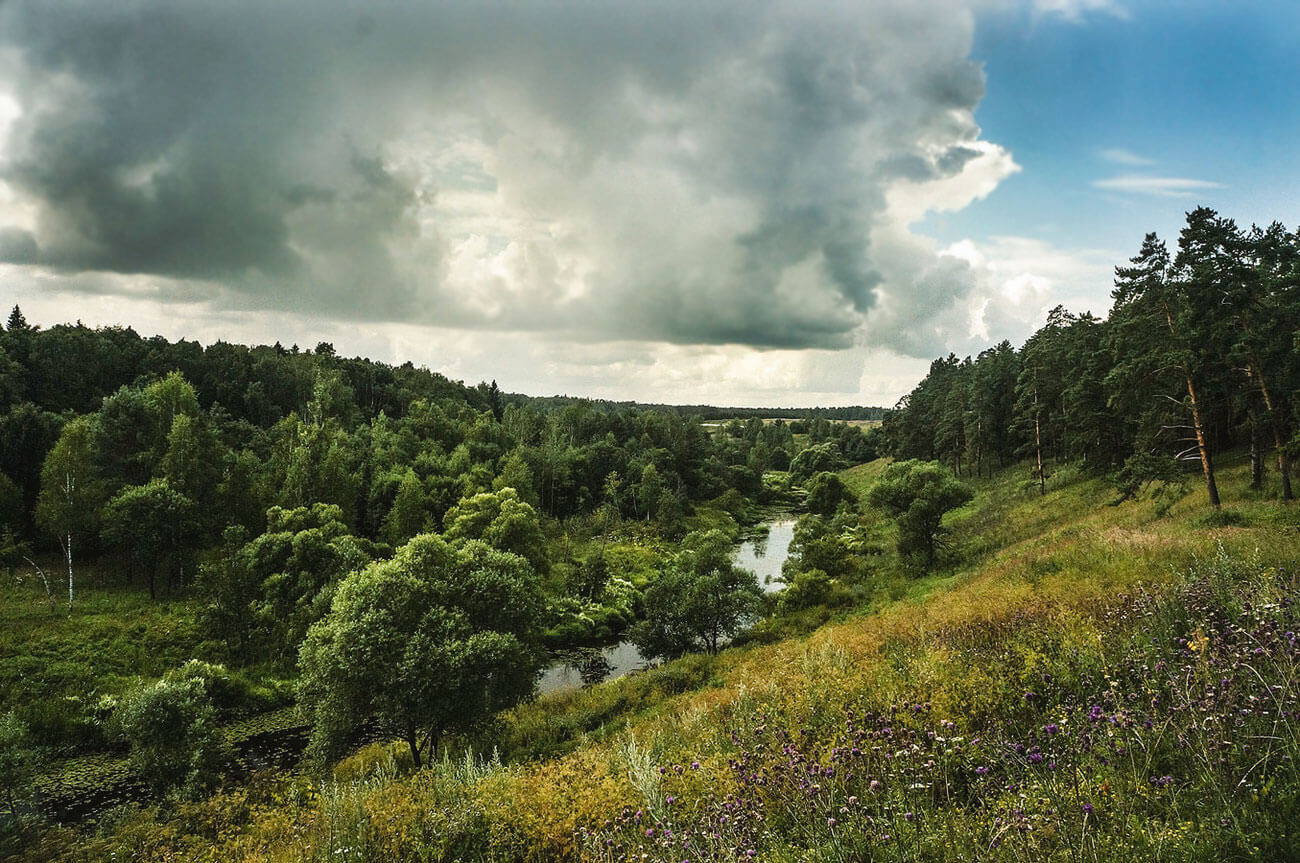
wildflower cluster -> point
(1188, 733)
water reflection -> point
(765, 555)
(588, 666)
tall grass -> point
(1079, 682)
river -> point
(584, 667)
(85, 787)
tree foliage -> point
(1198, 354)
(19, 759)
(917, 495)
(816, 459)
(432, 641)
(504, 522)
(298, 563)
(826, 492)
(698, 602)
(153, 524)
(71, 490)
(176, 742)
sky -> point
(742, 202)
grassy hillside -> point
(63, 674)
(1079, 680)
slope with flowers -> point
(1091, 681)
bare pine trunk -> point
(1256, 459)
(1207, 467)
(1283, 459)
(1038, 446)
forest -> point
(1198, 356)
(233, 494)
(286, 605)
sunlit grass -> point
(1028, 617)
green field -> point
(1045, 611)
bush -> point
(815, 459)
(826, 492)
(917, 495)
(176, 744)
(18, 759)
(817, 545)
(809, 588)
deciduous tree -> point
(434, 640)
(917, 495)
(701, 600)
(71, 490)
(155, 525)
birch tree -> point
(71, 490)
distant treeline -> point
(1199, 354)
(711, 412)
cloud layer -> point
(731, 173)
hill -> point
(1084, 679)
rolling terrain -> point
(1078, 679)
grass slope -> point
(56, 667)
(1083, 681)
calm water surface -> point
(588, 666)
(764, 557)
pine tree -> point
(1154, 336)
(1262, 296)
(1040, 391)
(17, 323)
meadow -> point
(1078, 679)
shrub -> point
(815, 459)
(176, 744)
(809, 588)
(826, 492)
(18, 759)
(917, 495)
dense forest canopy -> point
(253, 485)
(276, 408)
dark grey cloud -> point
(699, 173)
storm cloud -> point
(693, 173)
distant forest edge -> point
(1199, 354)
(70, 367)
(851, 413)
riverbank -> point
(763, 552)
